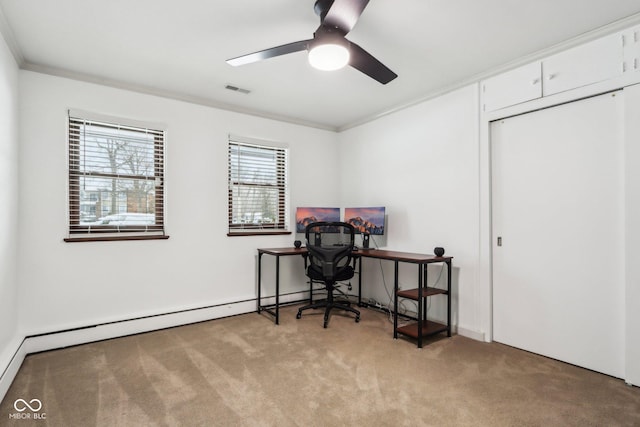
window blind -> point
(116, 179)
(257, 187)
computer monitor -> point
(305, 216)
(366, 220)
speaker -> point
(365, 240)
(297, 243)
(438, 251)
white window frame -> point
(139, 226)
(274, 172)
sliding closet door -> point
(632, 241)
(558, 244)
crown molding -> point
(588, 36)
(148, 90)
(610, 28)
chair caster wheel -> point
(299, 315)
(357, 319)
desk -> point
(277, 252)
(422, 328)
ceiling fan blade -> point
(269, 53)
(344, 14)
(362, 61)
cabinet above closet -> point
(606, 58)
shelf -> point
(426, 292)
(428, 328)
(421, 295)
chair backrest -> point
(329, 245)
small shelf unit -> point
(421, 327)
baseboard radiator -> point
(108, 330)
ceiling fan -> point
(329, 49)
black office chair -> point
(330, 246)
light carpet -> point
(245, 371)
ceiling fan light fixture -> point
(329, 48)
(328, 56)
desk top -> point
(283, 251)
(401, 256)
(366, 253)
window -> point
(116, 180)
(257, 187)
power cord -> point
(402, 308)
(384, 281)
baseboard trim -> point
(91, 333)
(474, 335)
(82, 335)
(294, 297)
(12, 366)
(121, 328)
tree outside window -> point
(257, 188)
(116, 178)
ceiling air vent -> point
(237, 89)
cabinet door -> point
(596, 61)
(632, 50)
(513, 87)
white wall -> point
(421, 163)
(9, 339)
(67, 285)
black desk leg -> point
(448, 298)
(359, 261)
(277, 289)
(259, 281)
(425, 284)
(420, 306)
(395, 300)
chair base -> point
(328, 305)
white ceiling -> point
(178, 48)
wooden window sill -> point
(257, 233)
(113, 238)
